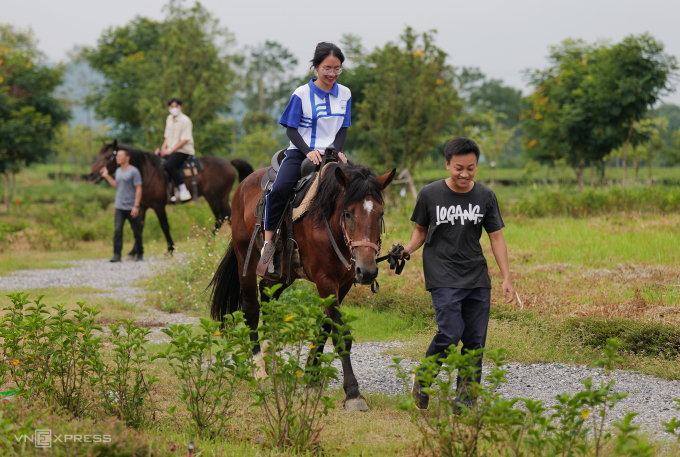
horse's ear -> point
(387, 178)
(115, 145)
(342, 177)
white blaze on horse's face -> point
(368, 206)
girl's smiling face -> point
(326, 71)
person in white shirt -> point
(317, 116)
(178, 146)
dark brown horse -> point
(349, 196)
(214, 183)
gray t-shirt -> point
(453, 256)
(125, 192)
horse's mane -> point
(137, 156)
(363, 182)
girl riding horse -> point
(317, 116)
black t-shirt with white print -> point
(453, 256)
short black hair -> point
(175, 100)
(325, 49)
(459, 147)
(121, 149)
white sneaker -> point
(184, 195)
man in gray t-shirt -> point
(128, 184)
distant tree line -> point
(591, 107)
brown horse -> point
(214, 183)
(350, 199)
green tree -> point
(494, 138)
(410, 101)
(269, 79)
(74, 144)
(146, 62)
(29, 111)
(636, 74)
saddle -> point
(191, 167)
(303, 193)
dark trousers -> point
(172, 165)
(461, 315)
(287, 177)
(135, 223)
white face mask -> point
(175, 111)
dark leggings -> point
(286, 178)
(172, 165)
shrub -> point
(495, 426)
(292, 395)
(124, 384)
(208, 365)
(54, 357)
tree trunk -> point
(625, 153)
(7, 189)
(592, 175)
(636, 164)
(579, 175)
(651, 167)
(261, 94)
(14, 186)
(602, 174)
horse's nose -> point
(365, 275)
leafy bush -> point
(208, 365)
(124, 384)
(54, 357)
(292, 395)
(492, 425)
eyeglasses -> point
(328, 71)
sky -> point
(501, 37)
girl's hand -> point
(315, 156)
(343, 157)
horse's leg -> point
(354, 401)
(133, 253)
(163, 219)
(216, 208)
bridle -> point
(351, 244)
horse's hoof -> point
(356, 404)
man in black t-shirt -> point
(449, 216)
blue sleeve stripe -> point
(293, 113)
(348, 114)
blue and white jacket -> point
(318, 115)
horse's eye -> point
(347, 215)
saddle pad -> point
(303, 207)
(187, 171)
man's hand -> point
(157, 151)
(104, 172)
(135, 212)
(342, 157)
(315, 156)
(508, 292)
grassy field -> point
(575, 277)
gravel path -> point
(647, 395)
(114, 278)
(650, 396)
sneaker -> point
(184, 195)
(115, 258)
(422, 400)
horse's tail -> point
(243, 167)
(226, 288)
